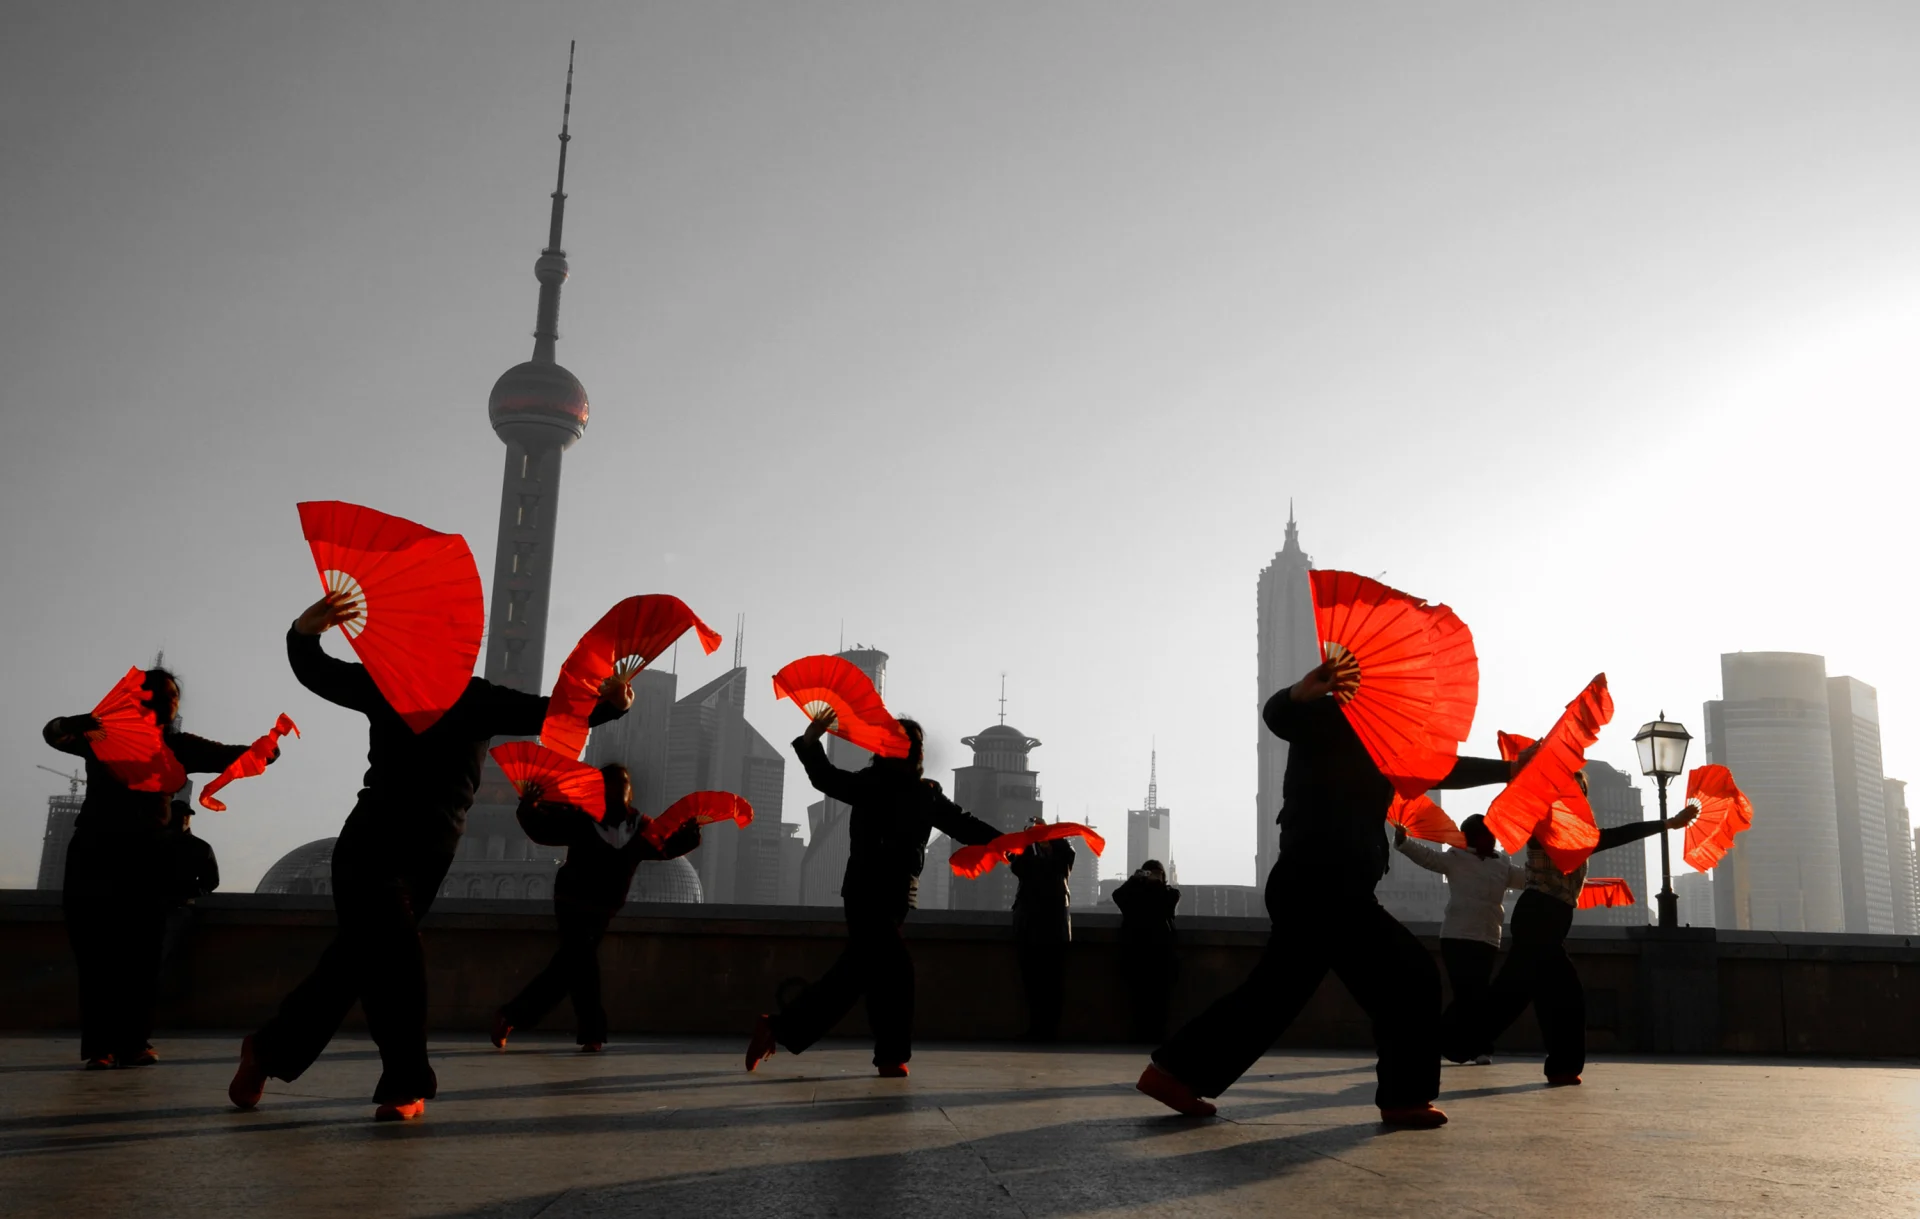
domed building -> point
(303, 871)
(666, 880)
(1000, 790)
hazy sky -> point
(1002, 332)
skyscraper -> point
(1616, 801)
(1770, 729)
(824, 865)
(62, 812)
(1859, 796)
(1084, 885)
(1900, 860)
(1289, 646)
(711, 747)
(1695, 891)
(1150, 829)
(538, 409)
(1000, 790)
(638, 739)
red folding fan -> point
(422, 609)
(1724, 812)
(1406, 675)
(1605, 891)
(627, 639)
(970, 862)
(831, 683)
(1527, 804)
(704, 808)
(1425, 819)
(562, 780)
(129, 742)
(248, 764)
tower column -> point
(523, 566)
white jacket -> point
(1476, 888)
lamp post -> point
(1663, 755)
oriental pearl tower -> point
(538, 409)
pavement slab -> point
(674, 1126)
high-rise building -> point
(1616, 801)
(711, 747)
(638, 739)
(1859, 797)
(1695, 891)
(1900, 859)
(1084, 884)
(1222, 901)
(1000, 790)
(1770, 728)
(538, 409)
(62, 811)
(1150, 829)
(1288, 647)
(936, 878)
(1903, 869)
(793, 856)
(824, 865)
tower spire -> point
(551, 269)
(1153, 778)
(1003, 699)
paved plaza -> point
(665, 1127)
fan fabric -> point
(703, 808)
(422, 607)
(1406, 675)
(248, 764)
(969, 862)
(820, 683)
(1422, 818)
(129, 742)
(1605, 891)
(1544, 797)
(1724, 812)
(627, 639)
(562, 780)
(1512, 745)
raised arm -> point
(68, 734)
(550, 825)
(827, 779)
(511, 712)
(338, 681)
(197, 755)
(1422, 855)
(1476, 772)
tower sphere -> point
(538, 405)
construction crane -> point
(74, 781)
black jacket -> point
(111, 808)
(1146, 910)
(893, 812)
(419, 785)
(1044, 870)
(597, 874)
(1334, 799)
(193, 869)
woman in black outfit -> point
(1333, 851)
(118, 882)
(1147, 960)
(1042, 929)
(893, 810)
(388, 863)
(589, 891)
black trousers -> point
(1043, 967)
(574, 970)
(381, 891)
(1469, 970)
(1538, 971)
(1149, 968)
(117, 928)
(1381, 964)
(876, 964)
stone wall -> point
(711, 969)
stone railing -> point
(711, 969)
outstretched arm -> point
(1634, 831)
(1476, 772)
(198, 755)
(1421, 855)
(960, 825)
(68, 734)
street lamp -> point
(1663, 755)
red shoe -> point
(893, 1070)
(592, 1047)
(761, 1045)
(1415, 1117)
(1170, 1092)
(249, 1081)
(1563, 1081)
(99, 1062)
(140, 1058)
(406, 1111)
(500, 1030)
